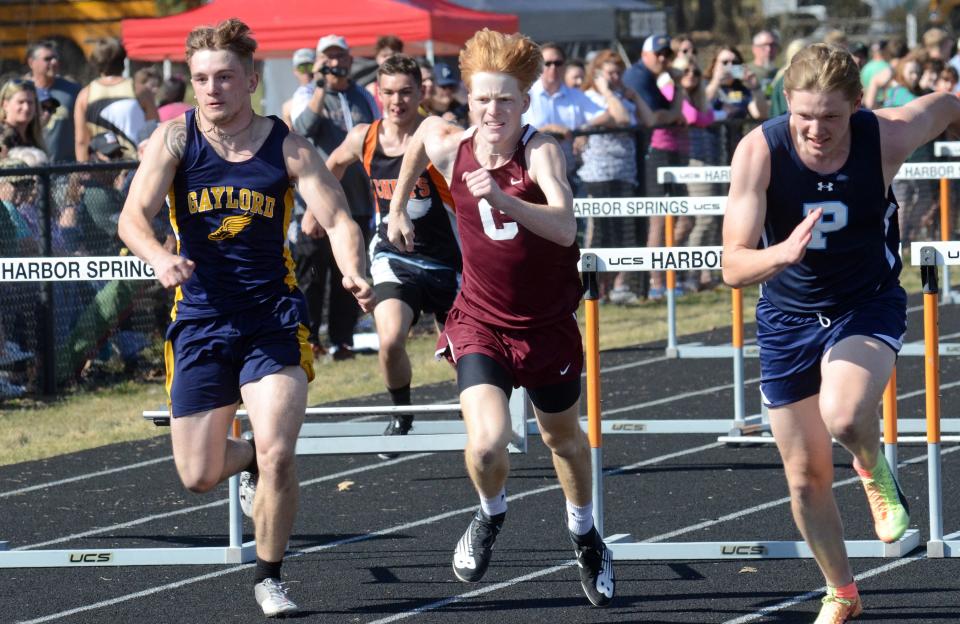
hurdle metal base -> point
(623, 548)
(99, 557)
(942, 549)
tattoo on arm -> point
(175, 139)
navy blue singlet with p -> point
(847, 283)
(854, 252)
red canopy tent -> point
(281, 26)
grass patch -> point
(31, 430)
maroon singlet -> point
(512, 278)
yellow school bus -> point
(79, 21)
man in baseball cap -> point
(330, 41)
(336, 105)
(656, 43)
(304, 56)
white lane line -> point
(810, 595)
(379, 464)
(218, 503)
(90, 475)
(350, 540)
(676, 397)
(819, 592)
(386, 531)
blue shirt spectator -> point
(557, 109)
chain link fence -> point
(61, 335)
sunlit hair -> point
(596, 65)
(489, 51)
(34, 129)
(108, 56)
(823, 68)
(231, 35)
(401, 64)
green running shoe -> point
(891, 514)
(836, 610)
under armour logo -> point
(825, 186)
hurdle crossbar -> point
(349, 438)
(621, 545)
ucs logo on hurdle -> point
(730, 550)
(90, 557)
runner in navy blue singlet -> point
(513, 322)
(812, 219)
(238, 329)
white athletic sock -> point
(579, 519)
(495, 505)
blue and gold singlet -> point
(230, 219)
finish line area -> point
(373, 539)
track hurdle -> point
(928, 256)
(621, 545)
(654, 259)
(668, 207)
(236, 551)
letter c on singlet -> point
(505, 232)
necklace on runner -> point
(220, 134)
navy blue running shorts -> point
(792, 345)
(209, 359)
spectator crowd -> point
(617, 120)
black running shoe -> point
(595, 562)
(399, 425)
(472, 556)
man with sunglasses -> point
(44, 64)
(558, 110)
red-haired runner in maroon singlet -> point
(513, 322)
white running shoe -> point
(248, 482)
(272, 597)
(248, 490)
